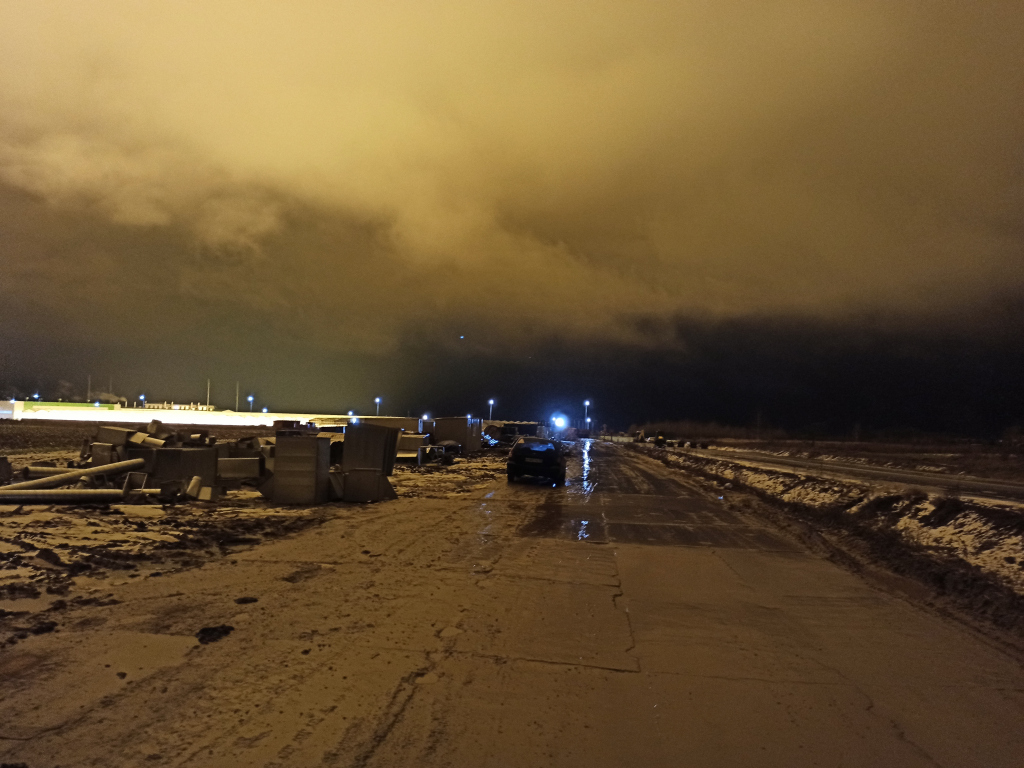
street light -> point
(490, 409)
(143, 399)
(36, 395)
(264, 410)
(586, 407)
(250, 403)
(377, 401)
(426, 417)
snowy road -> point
(627, 619)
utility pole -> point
(236, 397)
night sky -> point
(809, 211)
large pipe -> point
(33, 473)
(60, 495)
(77, 474)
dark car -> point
(538, 457)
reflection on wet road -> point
(615, 497)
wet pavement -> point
(631, 617)
(620, 502)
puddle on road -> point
(677, 522)
(564, 521)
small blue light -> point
(264, 410)
(462, 337)
(97, 403)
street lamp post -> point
(490, 409)
(377, 401)
(586, 408)
(250, 403)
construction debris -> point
(304, 464)
(67, 478)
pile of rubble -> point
(299, 465)
(155, 464)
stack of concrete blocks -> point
(368, 461)
(463, 430)
(301, 470)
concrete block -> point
(165, 464)
(367, 485)
(113, 435)
(238, 469)
(102, 453)
(301, 468)
(210, 493)
(369, 446)
(464, 431)
(412, 443)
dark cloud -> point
(217, 186)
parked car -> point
(537, 457)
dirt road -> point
(631, 618)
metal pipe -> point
(74, 476)
(60, 495)
(31, 473)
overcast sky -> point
(207, 180)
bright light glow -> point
(588, 419)
(265, 410)
(250, 398)
(469, 415)
(97, 403)
(425, 416)
(355, 421)
(36, 395)
(350, 413)
(490, 402)
(142, 398)
(376, 400)
(586, 403)
(560, 422)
